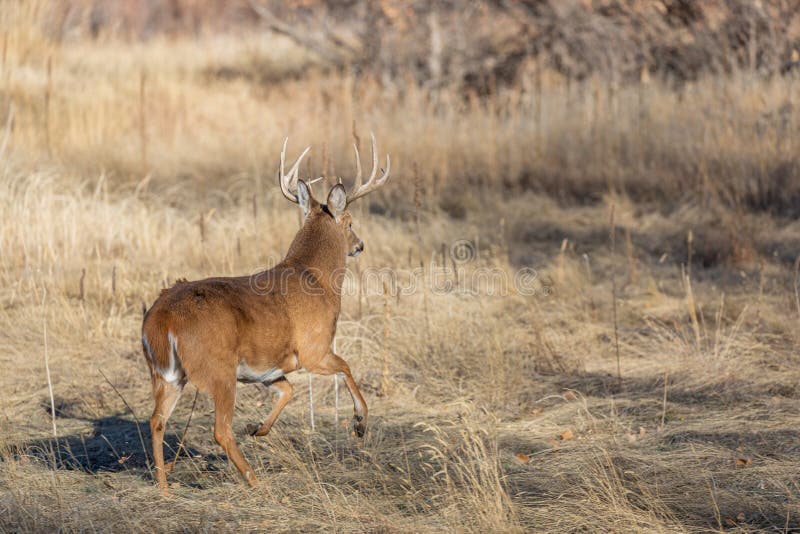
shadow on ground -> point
(778, 443)
(113, 444)
(683, 389)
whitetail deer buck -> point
(258, 328)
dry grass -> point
(504, 411)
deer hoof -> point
(359, 426)
(252, 429)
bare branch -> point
(326, 50)
(7, 133)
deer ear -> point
(337, 200)
(304, 198)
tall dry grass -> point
(207, 110)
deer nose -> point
(360, 247)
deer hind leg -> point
(166, 396)
(332, 364)
(284, 389)
(224, 399)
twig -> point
(687, 278)
(613, 236)
(136, 419)
(385, 349)
(255, 212)
(183, 434)
(335, 394)
(560, 262)
(7, 132)
(360, 290)
(633, 271)
(311, 402)
(417, 209)
(143, 121)
(47, 364)
(664, 402)
(47, 94)
(786, 524)
(796, 289)
(712, 490)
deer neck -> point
(319, 247)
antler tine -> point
(357, 183)
(288, 182)
(282, 178)
(371, 183)
(374, 158)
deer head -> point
(329, 225)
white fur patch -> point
(173, 374)
(246, 374)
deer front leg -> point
(332, 364)
(284, 389)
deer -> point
(220, 331)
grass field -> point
(599, 330)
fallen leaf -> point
(175, 485)
(522, 458)
(567, 435)
(570, 396)
(741, 517)
(631, 437)
(743, 460)
(642, 431)
(537, 410)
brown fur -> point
(283, 318)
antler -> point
(372, 183)
(288, 182)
